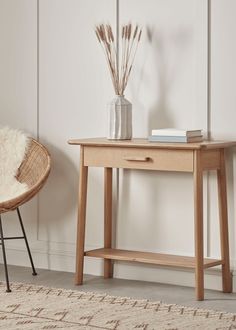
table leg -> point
(81, 220)
(108, 265)
(223, 217)
(198, 223)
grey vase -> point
(120, 119)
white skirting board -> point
(65, 261)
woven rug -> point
(36, 307)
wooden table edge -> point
(144, 143)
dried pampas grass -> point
(130, 38)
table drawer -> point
(136, 158)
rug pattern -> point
(32, 307)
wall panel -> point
(73, 93)
(167, 90)
(223, 104)
(18, 65)
(18, 86)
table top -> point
(144, 143)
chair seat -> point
(32, 174)
(16, 201)
(11, 189)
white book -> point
(177, 132)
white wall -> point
(223, 104)
(55, 83)
(18, 81)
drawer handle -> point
(137, 159)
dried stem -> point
(130, 39)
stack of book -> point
(175, 135)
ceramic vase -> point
(120, 119)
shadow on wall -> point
(60, 193)
(169, 55)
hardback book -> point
(159, 138)
(176, 132)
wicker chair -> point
(33, 171)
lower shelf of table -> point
(150, 258)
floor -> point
(136, 289)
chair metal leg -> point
(4, 256)
(26, 242)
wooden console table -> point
(143, 155)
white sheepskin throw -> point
(13, 146)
